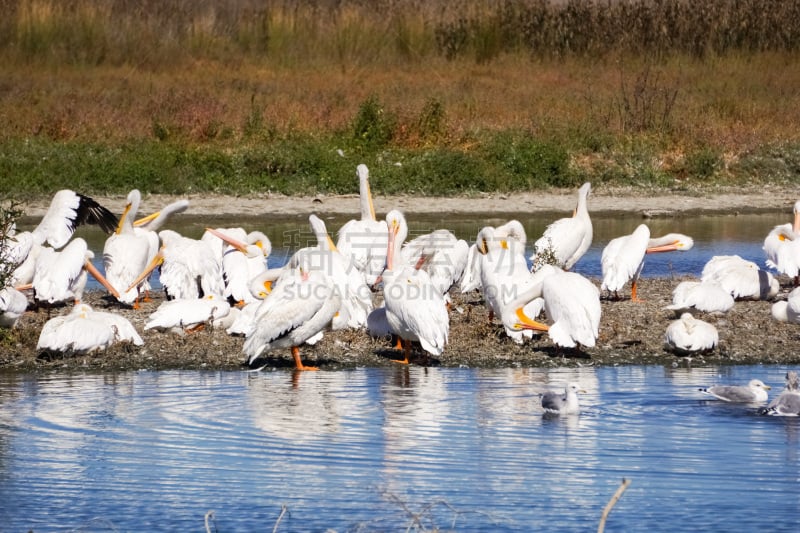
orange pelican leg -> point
(298, 364)
(406, 352)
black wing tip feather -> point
(91, 212)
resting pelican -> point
(788, 310)
(782, 247)
(61, 276)
(242, 260)
(301, 305)
(12, 306)
(189, 267)
(742, 278)
(623, 258)
(705, 296)
(84, 330)
(787, 403)
(188, 313)
(689, 335)
(365, 240)
(126, 253)
(415, 308)
(566, 239)
(566, 403)
(754, 392)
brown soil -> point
(630, 333)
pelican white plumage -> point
(705, 296)
(754, 392)
(510, 236)
(689, 335)
(189, 267)
(188, 313)
(441, 254)
(12, 306)
(243, 258)
(415, 307)
(567, 239)
(355, 295)
(572, 304)
(364, 240)
(85, 330)
(788, 310)
(623, 257)
(787, 403)
(126, 253)
(562, 403)
(782, 247)
(301, 305)
(61, 276)
(742, 278)
(67, 211)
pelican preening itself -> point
(566, 239)
(754, 392)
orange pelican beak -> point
(157, 261)
(122, 218)
(671, 247)
(524, 322)
(239, 245)
(101, 278)
(144, 220)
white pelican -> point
(742, 278)
(365, 240)
(705, 296)
(61, 276)
(623, 257)
(689, 335)
(242, 260)
(441, 254)
(84, 330)
(127, 252)
(301, 305)
(189, 267)
(188, 313)
(12, 306)
(415, 308)
(566, 403)
(754, 392)
(788, 310)
(355, 295)
(572, 304)
(782, 247)
(566, 239)
(154, 221)
(66, 212)
(787, 403)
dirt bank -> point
(630, 333)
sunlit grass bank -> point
(243, 96)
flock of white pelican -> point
(372, 278)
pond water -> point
(713, 234)
(392, 449)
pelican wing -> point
(67, 211)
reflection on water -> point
(713, 234)
(376, 449)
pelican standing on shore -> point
(126, 253)
(415, 308)
(782, 247)
(566, 239)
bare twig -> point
(209, 516)
(611, 503)
(280, 517)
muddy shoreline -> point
(630, 333)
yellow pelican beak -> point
(157, 261)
